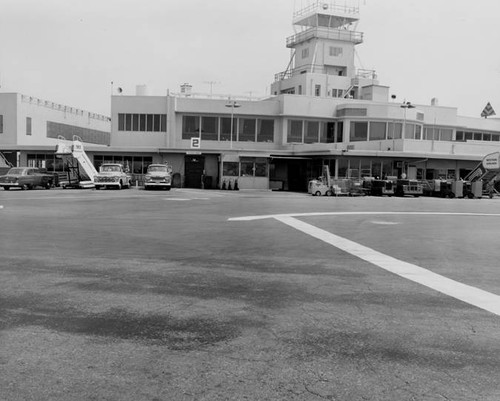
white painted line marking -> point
(471, 295)
(275, 216)
(385, 223)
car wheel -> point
(317, 193)
(119, 186)
(48, 185)
(6, 188)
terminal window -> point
(265, 130)
(295, 131)
(28, 125)
(1, 124)
(359, 131)
(335, 51)
(142, 122)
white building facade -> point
(30, 129)
(321, 110)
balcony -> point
(325, 33)
(308, 16)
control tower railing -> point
(325, 33)
(328, 7)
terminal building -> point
(322, 110)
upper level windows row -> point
(379, 131)
(463, 136)
(244, 129)
(142, 122)
(305, 131)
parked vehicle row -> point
(110, 175)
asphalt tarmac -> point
(247, 295)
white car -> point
(111, 175)
(158, 176)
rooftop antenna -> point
(211, 83)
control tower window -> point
(335, 51)
(305, 52)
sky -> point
(71, 51)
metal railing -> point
(60, 107)
(326, 6)
(325, 33)
(322, 69)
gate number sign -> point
(195, 143)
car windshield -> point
(16, 171)
(107, 169)
(157, 169)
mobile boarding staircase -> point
(75, 157)
(482, 178)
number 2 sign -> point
(195, 143)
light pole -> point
(406, 105)
(234, 105)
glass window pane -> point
(261, 169)
(28, 125)
(190, 127)
(128, 122)
(209, 129)
(265, 131)
(295, 131)
(246, 130)
(446, 134)
(377, 131)
(156, 123)
(225, 129)
(359, 131)
(247, 168)
(163, 127)
(342, 170)
(394, 130)
(328, 134)
(142, 122)
(418, 132)
(121, 122)
(409, 131)
(149, 122)
(340, 132)
(230, 169)
(312, 132)
(135, 122)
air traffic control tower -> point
(323, 54)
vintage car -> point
(26, 178)
(112, 175)
(158, 176)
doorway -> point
(194, 167)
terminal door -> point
(194, 165)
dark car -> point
(26, 178)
